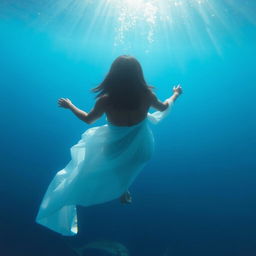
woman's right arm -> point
(161, 106)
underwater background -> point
(197, 195)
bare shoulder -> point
(151, 96)
(101, 102)
(102, 99)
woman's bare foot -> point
(126, 198)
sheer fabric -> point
(103, 165)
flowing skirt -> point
(103, 165)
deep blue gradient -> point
(196, 196)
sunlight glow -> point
(198, 23)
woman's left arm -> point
(93, 115)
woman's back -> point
(127, 117)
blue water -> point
(197, 194)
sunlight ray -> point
(194, 23)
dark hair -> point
(124, 84)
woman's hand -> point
(64, 103)
(177, 89)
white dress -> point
(103, 165)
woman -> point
(107, 159)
